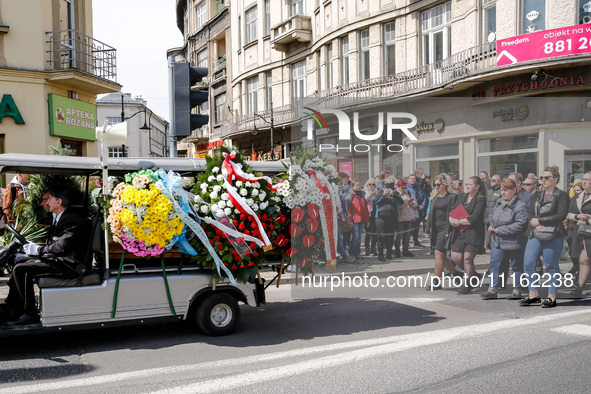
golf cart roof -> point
(76, 165)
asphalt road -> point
(408, 341)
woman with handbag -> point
(547, 211)
(385, 211)
(468, 238)
(507, 225)
(443, 198)
(579, 215)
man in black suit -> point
(64, 239)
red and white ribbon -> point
(328, 216)
(230, 168)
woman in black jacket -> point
(579, 213)
(438, 225)
(469, 231)
(547, 211)
(385, 212)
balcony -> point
(201, 133)
(298, 28)
(78, 60)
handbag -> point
(585, 230)
(546, 235)
(345, 225)
(449, 237)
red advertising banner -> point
(544, 44)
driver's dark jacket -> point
(66, 237)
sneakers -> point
(489, 295)
(577, 293)
(350, 259)
(549, 303)
(465, 290)
(406, 253)
(530, 301)
(418, 245)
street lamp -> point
(143, 128)
(271, 124)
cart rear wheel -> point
(217, 314)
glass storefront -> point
(440, 158)
(506, 154)
(576, 167)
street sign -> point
(572, 40)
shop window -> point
(437, 159)
(489, 20)
(584, 11)
(507, 154)
(436, 31)
(533, 16)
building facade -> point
(51, 70)
(146, 132)
(435, 59)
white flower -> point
(256, 184)
(213, 195)
(220, 177)
(238, 183)
(262, 196)
(264, 205)
(228, 211)
(204, 208)
(243, 192)
(229, 204)
(210, 178)
(255, 207)
(222, 204)
(248, 184)
(203, 186)
(217, 188)
(255, 192)
(225, 196)
(215, 169)
(237, 211)
(250, 201)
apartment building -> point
(147, 133)
(435, 59)
(51, 71)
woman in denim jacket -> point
(507, 225)
(547, 211)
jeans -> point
(355, 248)
(405, 237)
(341, 246)
(496, 256)
(551, 251)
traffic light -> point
(185, 99)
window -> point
(251, 25)
(389, 49)
(267, 17)
(504, 155)
(584, 11)
(269, 89)
(220, 111)
(299, 79)
(297, 7)
(252, 89)
(239, 32)
(116, 152)
(436, 30)
(489, 20)
(202, 59)
(533, 17)
(345, 49)
(113, 120)
(329, 68)
(364, 55)
(440, 158)
(201, 12)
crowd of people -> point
(523, 221)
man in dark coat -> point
(63, 239)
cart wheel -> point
(217, 314)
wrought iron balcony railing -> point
(73, 50)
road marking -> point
(370, 348)
(575, 329)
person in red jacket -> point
(359, 217)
